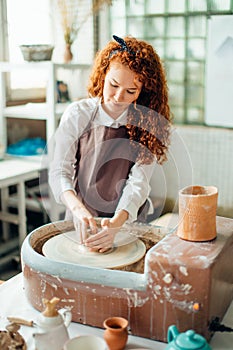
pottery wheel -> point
(64, 248)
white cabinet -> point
(50, 111)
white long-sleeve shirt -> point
(73, 123)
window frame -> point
(185, 112)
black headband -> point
(123, 47)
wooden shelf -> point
(8, 66)
(37, 111)
(49, 111)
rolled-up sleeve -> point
(61, 170)
(136, 190)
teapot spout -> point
(172, 333)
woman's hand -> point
(82, 218)
(103, 240)
(83, 221)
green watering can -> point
(185, 341)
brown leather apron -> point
(103, 161)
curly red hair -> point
(149, 119)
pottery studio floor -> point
(9, 251)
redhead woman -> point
(106, 146)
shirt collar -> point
(103, 118)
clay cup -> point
(197, 213)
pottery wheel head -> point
(83, 250)
(65, 247)
(123, 236)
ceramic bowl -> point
(87, 342)
(37, 52)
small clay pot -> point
(116, 333)
(197, 213)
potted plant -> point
(71, 21)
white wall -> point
(198, 156)
(219, 72)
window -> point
(29, 22)
(178, 31)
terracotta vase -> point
(116, 333)
(68, 55)
(197, 213)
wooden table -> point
(16, 171)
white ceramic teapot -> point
(52, 326)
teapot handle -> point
(66, 315)
(172, 333)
